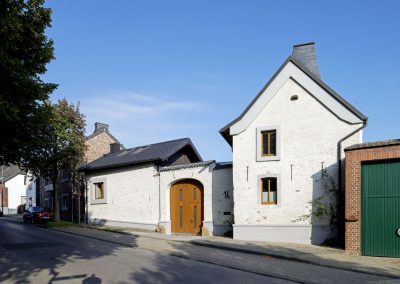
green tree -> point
(24, 52)
(60, 145)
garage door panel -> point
(380, 191)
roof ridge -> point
(317, 80)
(173, 140)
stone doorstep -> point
(315, 255)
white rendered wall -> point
(222, 199)
(202, 174)
(308, 137)
(215, 183)
(132, 197)
(16, 188)
(30, 192)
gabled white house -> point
(164, 186)
(292, 132)
(15, 181)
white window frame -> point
(259, 156)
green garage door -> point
(380, 207)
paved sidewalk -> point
(321, 256)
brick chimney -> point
(305, 53)
(100, 126)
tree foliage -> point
(60, 145)
(24, 52)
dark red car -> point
(38, 214)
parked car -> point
(37, 214)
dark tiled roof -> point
(223, 165)
(225, 130)
(393, 142)
(10, 172)
(191, 165)
(143, 154)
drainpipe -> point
(340, 197)
(339, 150)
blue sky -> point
(159, 70)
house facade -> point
(286, 144)
(97, 145)
(164, 186)
(14, 192)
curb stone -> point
(292, 258)
(206, 243)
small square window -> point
(268, 143)
(269, 191)
(99, 190)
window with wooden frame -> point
(268, 143)
(269, 191)
(99, 190)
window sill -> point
(268, 158)
(98, 202)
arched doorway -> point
(186, 206)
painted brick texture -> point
(354, 158)
(309, 136)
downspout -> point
(341, 206)
(339, 151)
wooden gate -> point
(380, 207)
(187, 207)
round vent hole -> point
(294, 98)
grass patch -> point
(52, 224)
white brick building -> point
(164, 186)
(291, 131)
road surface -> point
(29, 254)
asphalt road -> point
(29, 254)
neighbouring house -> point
(287, 154)
(372, 212)
(98, 144)
(13, 189)
(163, 186)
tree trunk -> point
(56, 190)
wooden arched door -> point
(186, 207)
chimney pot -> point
(305, 53)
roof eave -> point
(113, 166)
(224, 131)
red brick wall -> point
(354, 158)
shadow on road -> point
(29, 253)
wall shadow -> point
(29, 252)
(325, 197)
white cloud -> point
(139, 119)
